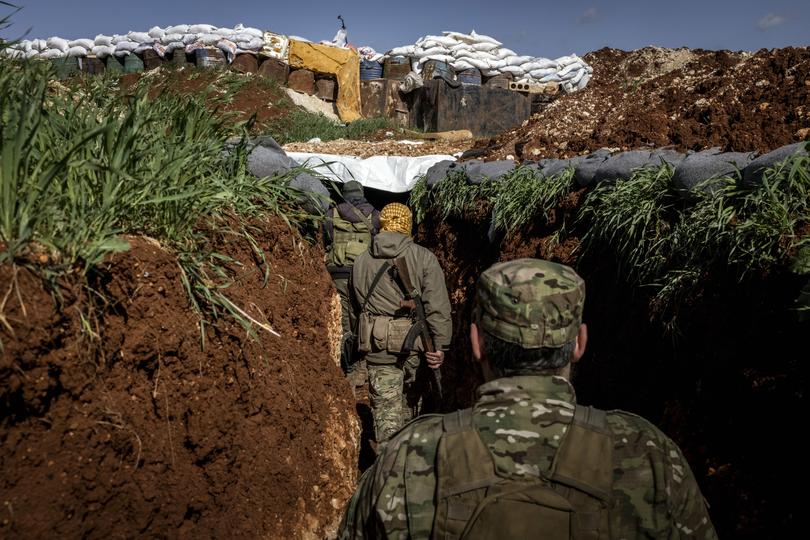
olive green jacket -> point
(426, 274)
(522, 421)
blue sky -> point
(537, 28)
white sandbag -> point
(565, 60)
(421, 53)
(77, 51)
(252, 45)
(83, 43)
(446, 58)
(490, 72)
(188, 39)
(103, 41)
(525, 80)
(52, 53)
(480, 64)
(128, 46)
(26, 45)
(200, 29)
(496, 64)
(122, 54)
(581, 73)
(255, 32)
(32, 53)
(461, 65)
(103, 51)
(481, 38)
(171, 38)
(504, 53)
(458, 36)
(540, 73)
(408, 50)
(531, 66)
(460, 47)
(140, 37)
(485, 46)
(569, 68)
(177, 29)
(518, 60)
(445, 41)
(156, 32)
(225, 32)
(228, 48)
(174, 45)
(517, 71)
(240, 36)
(552, 77)
(209, 39)
(466, 54)
(583, 82)
(40, 44)
(144, 47)
(544, 63)
(117, 38)
(57, 43)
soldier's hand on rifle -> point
(434, 359)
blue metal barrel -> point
(370, 69)
(434, 69)
(470, 76)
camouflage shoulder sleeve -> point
(395, 497)
(654, 491)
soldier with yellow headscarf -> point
(383, 323)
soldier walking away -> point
(387, 325)
(526, 461)
(348, 231)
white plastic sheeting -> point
(395, 174)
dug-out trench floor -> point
(116, 422)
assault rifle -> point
(420, 327)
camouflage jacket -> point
(522, 420)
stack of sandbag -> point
(467, 51)
(231, 41)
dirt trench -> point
(726, 382)
(116, 423)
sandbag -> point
(127, 46)
(103, 51)
(139, 37)
(156, 32)
(461, 65)
(697, 168)
(586, 167)
(460, 37)
(440, 171)
(484, 47)
(621, 166)
(422, 53)
(753, 173)
(76, 52)
(308, 184)
(171, 38)
(201, 29)
(177, 29)
(266, 157)
(481, 38)
(57, 43)
(83, 43)
(584, 81)
(402, 51)
(52, 53)
(209, 39)
(481, 171)
(503, 52)
(552, 167)
(669, 156)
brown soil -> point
(116, 423)
(257, 96)
(690, 99)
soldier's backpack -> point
(571, 501)
(350, 239)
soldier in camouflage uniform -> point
(526, 460)
(392, 372)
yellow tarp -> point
(343, 63)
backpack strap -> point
(377, 277)
(584, 460)
(366, 219)
(464, 460)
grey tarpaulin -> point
(266, 157)
(479, 171)
(551, 167)
(668, 156)
(697, 168)
(752, 174)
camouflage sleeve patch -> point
(395, 497)
(654, 490)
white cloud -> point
(590, 15)
(770, 21)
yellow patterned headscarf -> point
(396, 217)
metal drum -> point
(133, 64)
(396, 67)
(370, 69)
(435, 69)
(470, 76)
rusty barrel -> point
(396, 67)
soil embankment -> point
(688, 98)
(117, 423)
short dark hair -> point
(510, 359)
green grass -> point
(523, 195)
(79, 169)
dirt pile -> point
(690, 99)
(385, 147)
(118, 424)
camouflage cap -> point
(530, 302)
